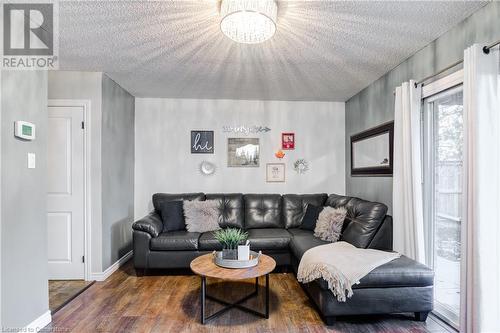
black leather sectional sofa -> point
(272, 222)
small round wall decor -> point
(301, 166)
(279, 154)
(207, 168)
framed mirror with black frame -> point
(372, 151)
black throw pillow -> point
(172, 215)
(310, 217)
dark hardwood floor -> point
(63, 291)
(161, 303)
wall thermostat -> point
(24, 130)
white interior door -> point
(65, 194)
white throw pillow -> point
(329, 224)
(201, 216)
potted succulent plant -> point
(230, 238)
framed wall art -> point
(288, 141)
(275, 172)
(202, 142)
(243, 152)
(372, 151)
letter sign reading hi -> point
(202, 142)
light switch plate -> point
(31, 160)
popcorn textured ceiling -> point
(322, 50)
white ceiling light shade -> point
(248, 21)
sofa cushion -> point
(300, 232)
(207, 242)
(230, 207)
(295, 205)
(330, 222)
(201, 216)
(310, 217)
(362, 221)
(303, 241)
(401, 272)
(159, 198)
(269, 239)
(263, 211)
(172, 216)
(175, 241)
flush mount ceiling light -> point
(248, 21)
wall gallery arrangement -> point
(245, 129)
(207, 168)
(202, 142)
(275, 172)
(301, 166)
(245, 152)
(279, 154)
(288, 141)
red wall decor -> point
(288, 141)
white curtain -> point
(480, 294)
(407, 175)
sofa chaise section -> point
(401, 285)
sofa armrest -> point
(152, 224)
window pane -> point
(444, 196)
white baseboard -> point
(39, 323)
(101, 276)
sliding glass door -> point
(443, 175)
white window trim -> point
(445, 83)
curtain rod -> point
(439, 72)
(486, 49)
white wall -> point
(163, 162)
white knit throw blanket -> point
(342, 265)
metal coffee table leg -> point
(228, 305)
(267, 296)
(202, 298)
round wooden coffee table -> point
(205, 267)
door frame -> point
(430, 91)
(85, 104)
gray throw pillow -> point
(329, 224)
(201, 216)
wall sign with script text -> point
(246, 130)
(202, 142)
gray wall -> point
(24, 226)
(375, 104)
(164, 162)
(86, 86)
(117, 171)
(112, 159)
(1, 325)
